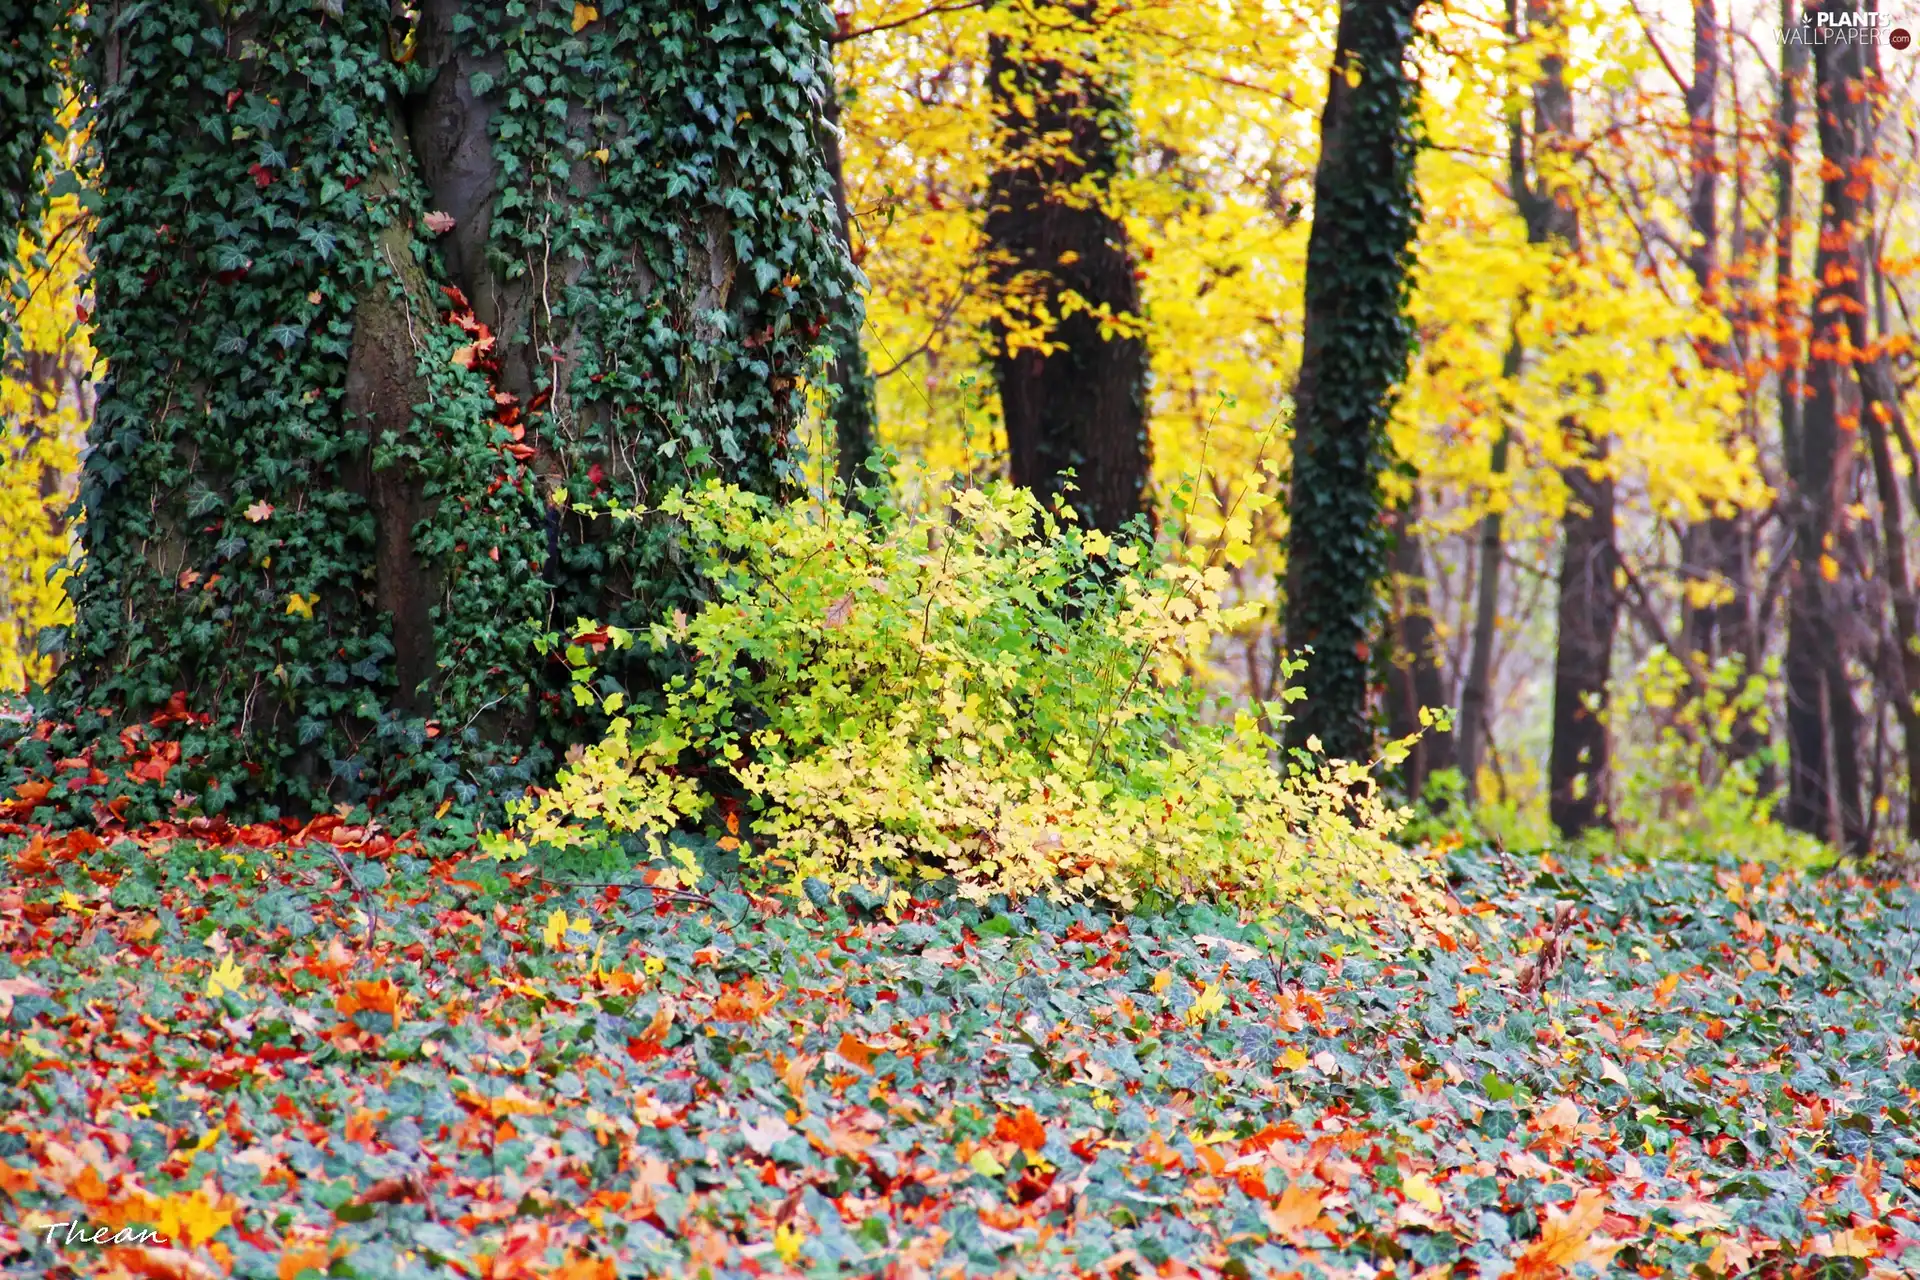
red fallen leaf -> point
(262, 176)
(1023, 1129)
(1271, 1136)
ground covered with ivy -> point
(327, 1051)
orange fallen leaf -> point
(1296, 1212)
(1567, 1238)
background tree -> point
(1823, 722)
(1354, 355)
(1072, 377)
(1587, 605)
(381, 300)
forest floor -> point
(324, 1052)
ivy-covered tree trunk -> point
(1355, 351)
(1076, 400)
(381, 299)
(1823, 783)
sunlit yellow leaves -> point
(299, 606)
(583, 14)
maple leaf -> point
(1297, 1211)
(259, 511)
(855, 1051)
(1209, 1002)
(1568, 1237)
(194, 1218)
(227, 977)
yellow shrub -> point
(980, 692)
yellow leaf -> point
(1209, 1002)
(1829, 568)
(193, 1219)
(557, 926)
(583, 14)
(983, 1162)
(1419, 1190)
(786, 1243)
(301, 606)
(1161, 981)
(228, 977)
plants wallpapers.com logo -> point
(1847, 27)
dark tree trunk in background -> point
(1823, 788)
(853, 405)
(1885, 421)
(1587, 604)
(1056, 248)
(1354, 354)
(369, 305)
(1715, 550)
(1414, 679)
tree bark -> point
(1715, 549)
(1414, 680)
(373, 292)
(1057, 252)
(1354, 353)
(1476, 691)
(1823, 793)
(1587, 604)
(853, 402)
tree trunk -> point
(372, 294)
(1354, 353)
(1476, 691)
(1060, 257)
(853, 409)
(1587, 606)
(1414, 680)
(1714, 550)
(1823, 795)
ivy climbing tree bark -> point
(384, 301)
(1357, 341)
(1070, 363)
